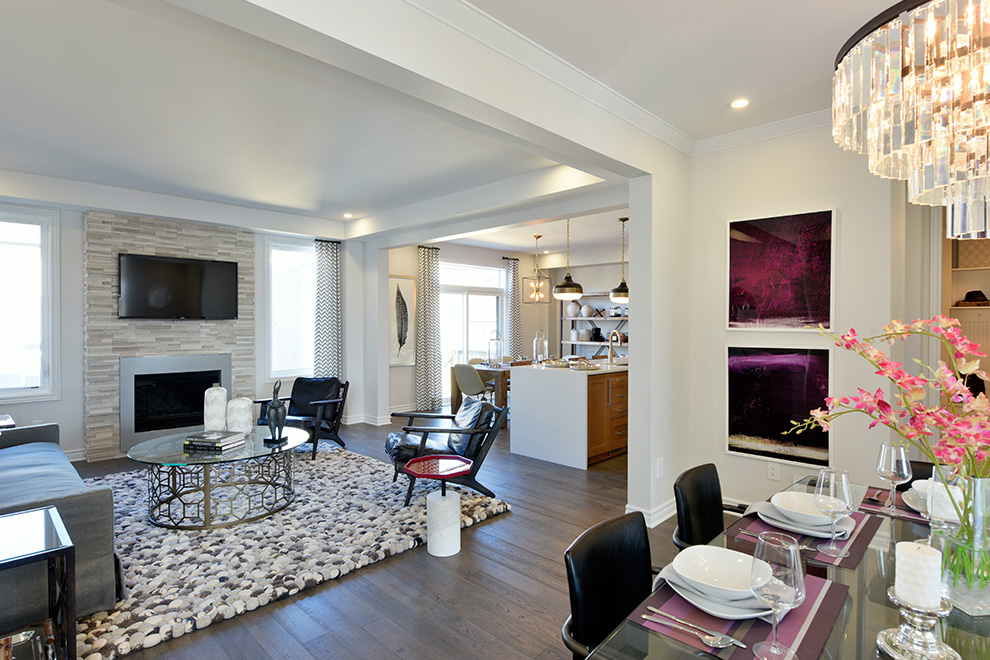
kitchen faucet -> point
(618, 337)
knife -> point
(695, 626)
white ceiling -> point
(99, 92)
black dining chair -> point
(698, 499)
(919, 470)
(609, 574)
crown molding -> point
(809, 122)
(476, 24)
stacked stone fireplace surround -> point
(108, 338)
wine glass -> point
(893, 467)
(833, 497)
(777, 579)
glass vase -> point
(966, 553)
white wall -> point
(793, 174)
(67, 411)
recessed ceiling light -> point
(348, 216)
(546, 252)
(739, 104)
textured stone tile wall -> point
(108, 338)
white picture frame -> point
(777, 403)
(757, 310)
(402, 321)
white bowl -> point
(800, 507)
(922, 485)
(717, 572)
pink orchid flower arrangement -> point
(961, 423)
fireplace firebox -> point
(164, 395)
(170, 401)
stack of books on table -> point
(214, 441)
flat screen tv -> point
(175, 288)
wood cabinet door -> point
(598, 415)
(618, 412)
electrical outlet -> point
(659, 468)
(773, 471)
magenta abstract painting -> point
(769, 387)
(780, 272)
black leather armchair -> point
(471, 434)
(609, 573)
(316, 405)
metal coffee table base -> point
(219, 494)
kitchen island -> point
(567, 416)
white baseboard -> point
(668, 509)
(734, 501)
(657, 514)
(347, 420)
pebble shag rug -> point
(347, 514)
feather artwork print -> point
(401, 319)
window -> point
(28, 362)
(470, 310)
(292, 308)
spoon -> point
(716, 642)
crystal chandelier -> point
(911, 90)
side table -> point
(39, 535)
(443, 510)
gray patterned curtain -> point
(329, 349)
(514, 343)
(429, 365)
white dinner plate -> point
(915, 499)
(800, 507)
(721, 610)
(720, 573)
(843, 527)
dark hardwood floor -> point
(504, 596)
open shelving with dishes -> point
(573, 324)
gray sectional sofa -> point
(35, 472)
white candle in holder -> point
(918, 575)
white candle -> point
(918, 575)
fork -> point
(716, 633)
(714, 641)
(801, 548)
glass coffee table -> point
(201, 490)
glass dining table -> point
(865, 612)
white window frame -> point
(500, 292)
(280, 243)
(50, 386)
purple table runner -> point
(804, 629)
(857, 543)
(903, 510)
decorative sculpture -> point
(276, 414)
